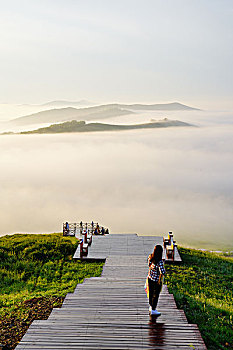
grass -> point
(36, 273)
(202, 287)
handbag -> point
(146, 286)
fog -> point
(143, 181)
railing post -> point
(81, 247)
(85, 236)
(71, 229)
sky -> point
(117, 51)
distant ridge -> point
(135, 106)
(63, 103)
(70, 113)
(173, 106)
(92, 113)
(82, 126)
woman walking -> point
(155, 274)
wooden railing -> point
(169, 246)
(83, 232)
(92, 228)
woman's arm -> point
(161, 267)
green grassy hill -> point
(37, 271)
(202, 286)
(82, 126)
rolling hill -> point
(70, 113)
(82, 126)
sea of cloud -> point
(142, 181)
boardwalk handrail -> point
(74, 228)
(169, 246)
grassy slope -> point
(36, 272)
(202, 287)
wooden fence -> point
(73, 228)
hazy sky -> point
(124, 50)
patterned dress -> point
(154, 283)
(155, 270)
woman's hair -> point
(157, 254)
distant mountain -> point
(174, 106)
(70, 113)
(61, 103)
(93, 113)
(82, 126)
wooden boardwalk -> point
(123, 244)
(111, 312)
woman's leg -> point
(152, 286)
(157, 290)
